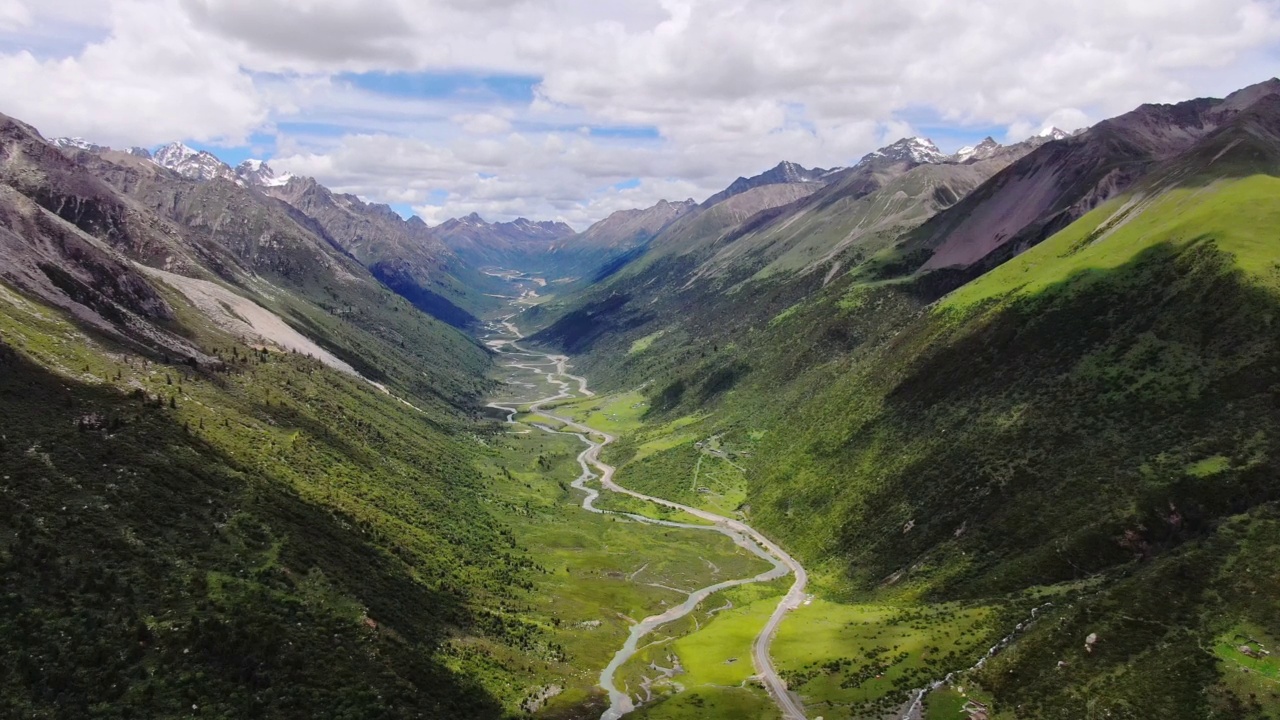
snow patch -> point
(1053, 133)
(191, 163)
(913, 149)
(77, 143)
(257, 173)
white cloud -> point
(152, 79)
(13, 15)
(482, 123)
(729, 86)
(310, 34)
(1068, 119)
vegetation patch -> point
(850, 661)
(644, 343)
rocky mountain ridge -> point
(913, 149)
(1050, 370)
(783, 173)
(1068, 176)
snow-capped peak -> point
(792, 173)
(913, 149)
(191, 163)
(75, 143)
(174, 153)
(784, 172)
(257, 173)
(1053, 133)
(981, 151)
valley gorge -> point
(988, 434)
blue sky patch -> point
(446, 85)
(232, 156)
(627, 132)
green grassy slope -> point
(1100, 405)
(1052, 384)
(1238, 215)
(176, 537)
(273, 538)
(840, 227)
(1100, 408)
(199, 522)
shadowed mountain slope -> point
(240, 475)
(1088, 427)
(1049, 189)
(403, 254)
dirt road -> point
(504, 340)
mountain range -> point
(991, 373)
(270, 450)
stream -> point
(503, 338)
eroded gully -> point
(503, 338)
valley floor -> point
(691, 522)
(674, 621)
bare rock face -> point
(75, 143)
(498, 243)
(1068, 175)
(915, 150)
(627, 228)
(191, 163)
(78, 225)
(54, 260)
(785, 173)
(983, 150)
(404, 254)
(257, 173)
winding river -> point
(503, 338)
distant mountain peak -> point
(537, 229)
(785, 172)
(680, 204)
(174, 152)
(520, 228)
(981, 151)
(257, 173)
(1053, 133)
(76, 143)
(79, 143)
(912, 149)
(191, 163)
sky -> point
(572, 109)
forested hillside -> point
(1090, 423)
(268, 450)
(239, 477)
